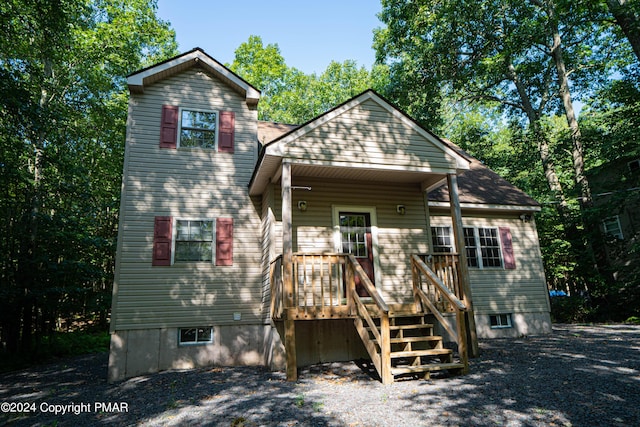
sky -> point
(310, 34)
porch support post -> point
(458, 234)
(287, 276)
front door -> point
(356, 239)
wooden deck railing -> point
(324, 287)
(276, 284)
(436, 287)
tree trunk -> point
(628, 21)
(541, 140)
(577, 153)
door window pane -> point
(353, 230)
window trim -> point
(174, 240)
(196, 342)
(477, 247)
(337, 240)
(435, 236)
(499, 317)
(179, 127)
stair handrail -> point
(418, 265)
(437, 282)
(383, 335)
(275, 279)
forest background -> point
(545, 92)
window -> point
(498, 321)
(353, 229)
(193, 128)
(634, 166)
(441, 239)
(194, 240)
(489, 247)
(470, 246)
(612, 227)
(198, 128)
(482, 245)
(199, 335)
(180, 240)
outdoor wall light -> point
(525, 217)
(401, 209)
(302, 205)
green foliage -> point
(289, 95)
(63, 107)
(488, 75)
(571, 309)
(56, 345)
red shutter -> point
(169, 127)
(507, 248)
(226, 131)
(162, 240)
(224, 241)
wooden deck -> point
(399, 342)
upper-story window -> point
(191, 128)
(198, 129)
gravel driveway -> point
(578, 376)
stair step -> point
(398, 370)
(400, 314)
(417, 353)
(407, 327)
(416, 339)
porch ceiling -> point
(271, 168)
(366, 174)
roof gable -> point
(194, 58)
(364, 127)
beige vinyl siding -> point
(496, 290)
(190, 184)
(398, 235)
(368, 134)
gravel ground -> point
(578, 376)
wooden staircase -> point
(415, 350)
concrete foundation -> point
(139, 352)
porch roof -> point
(479, 187)
(360, 145)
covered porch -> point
(397, 333)
(346, 227)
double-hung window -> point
(194, 240)
(482, 245)
(441, 239)
(198, 128)
(488, 247)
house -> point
(250, 243)
(616, 204)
